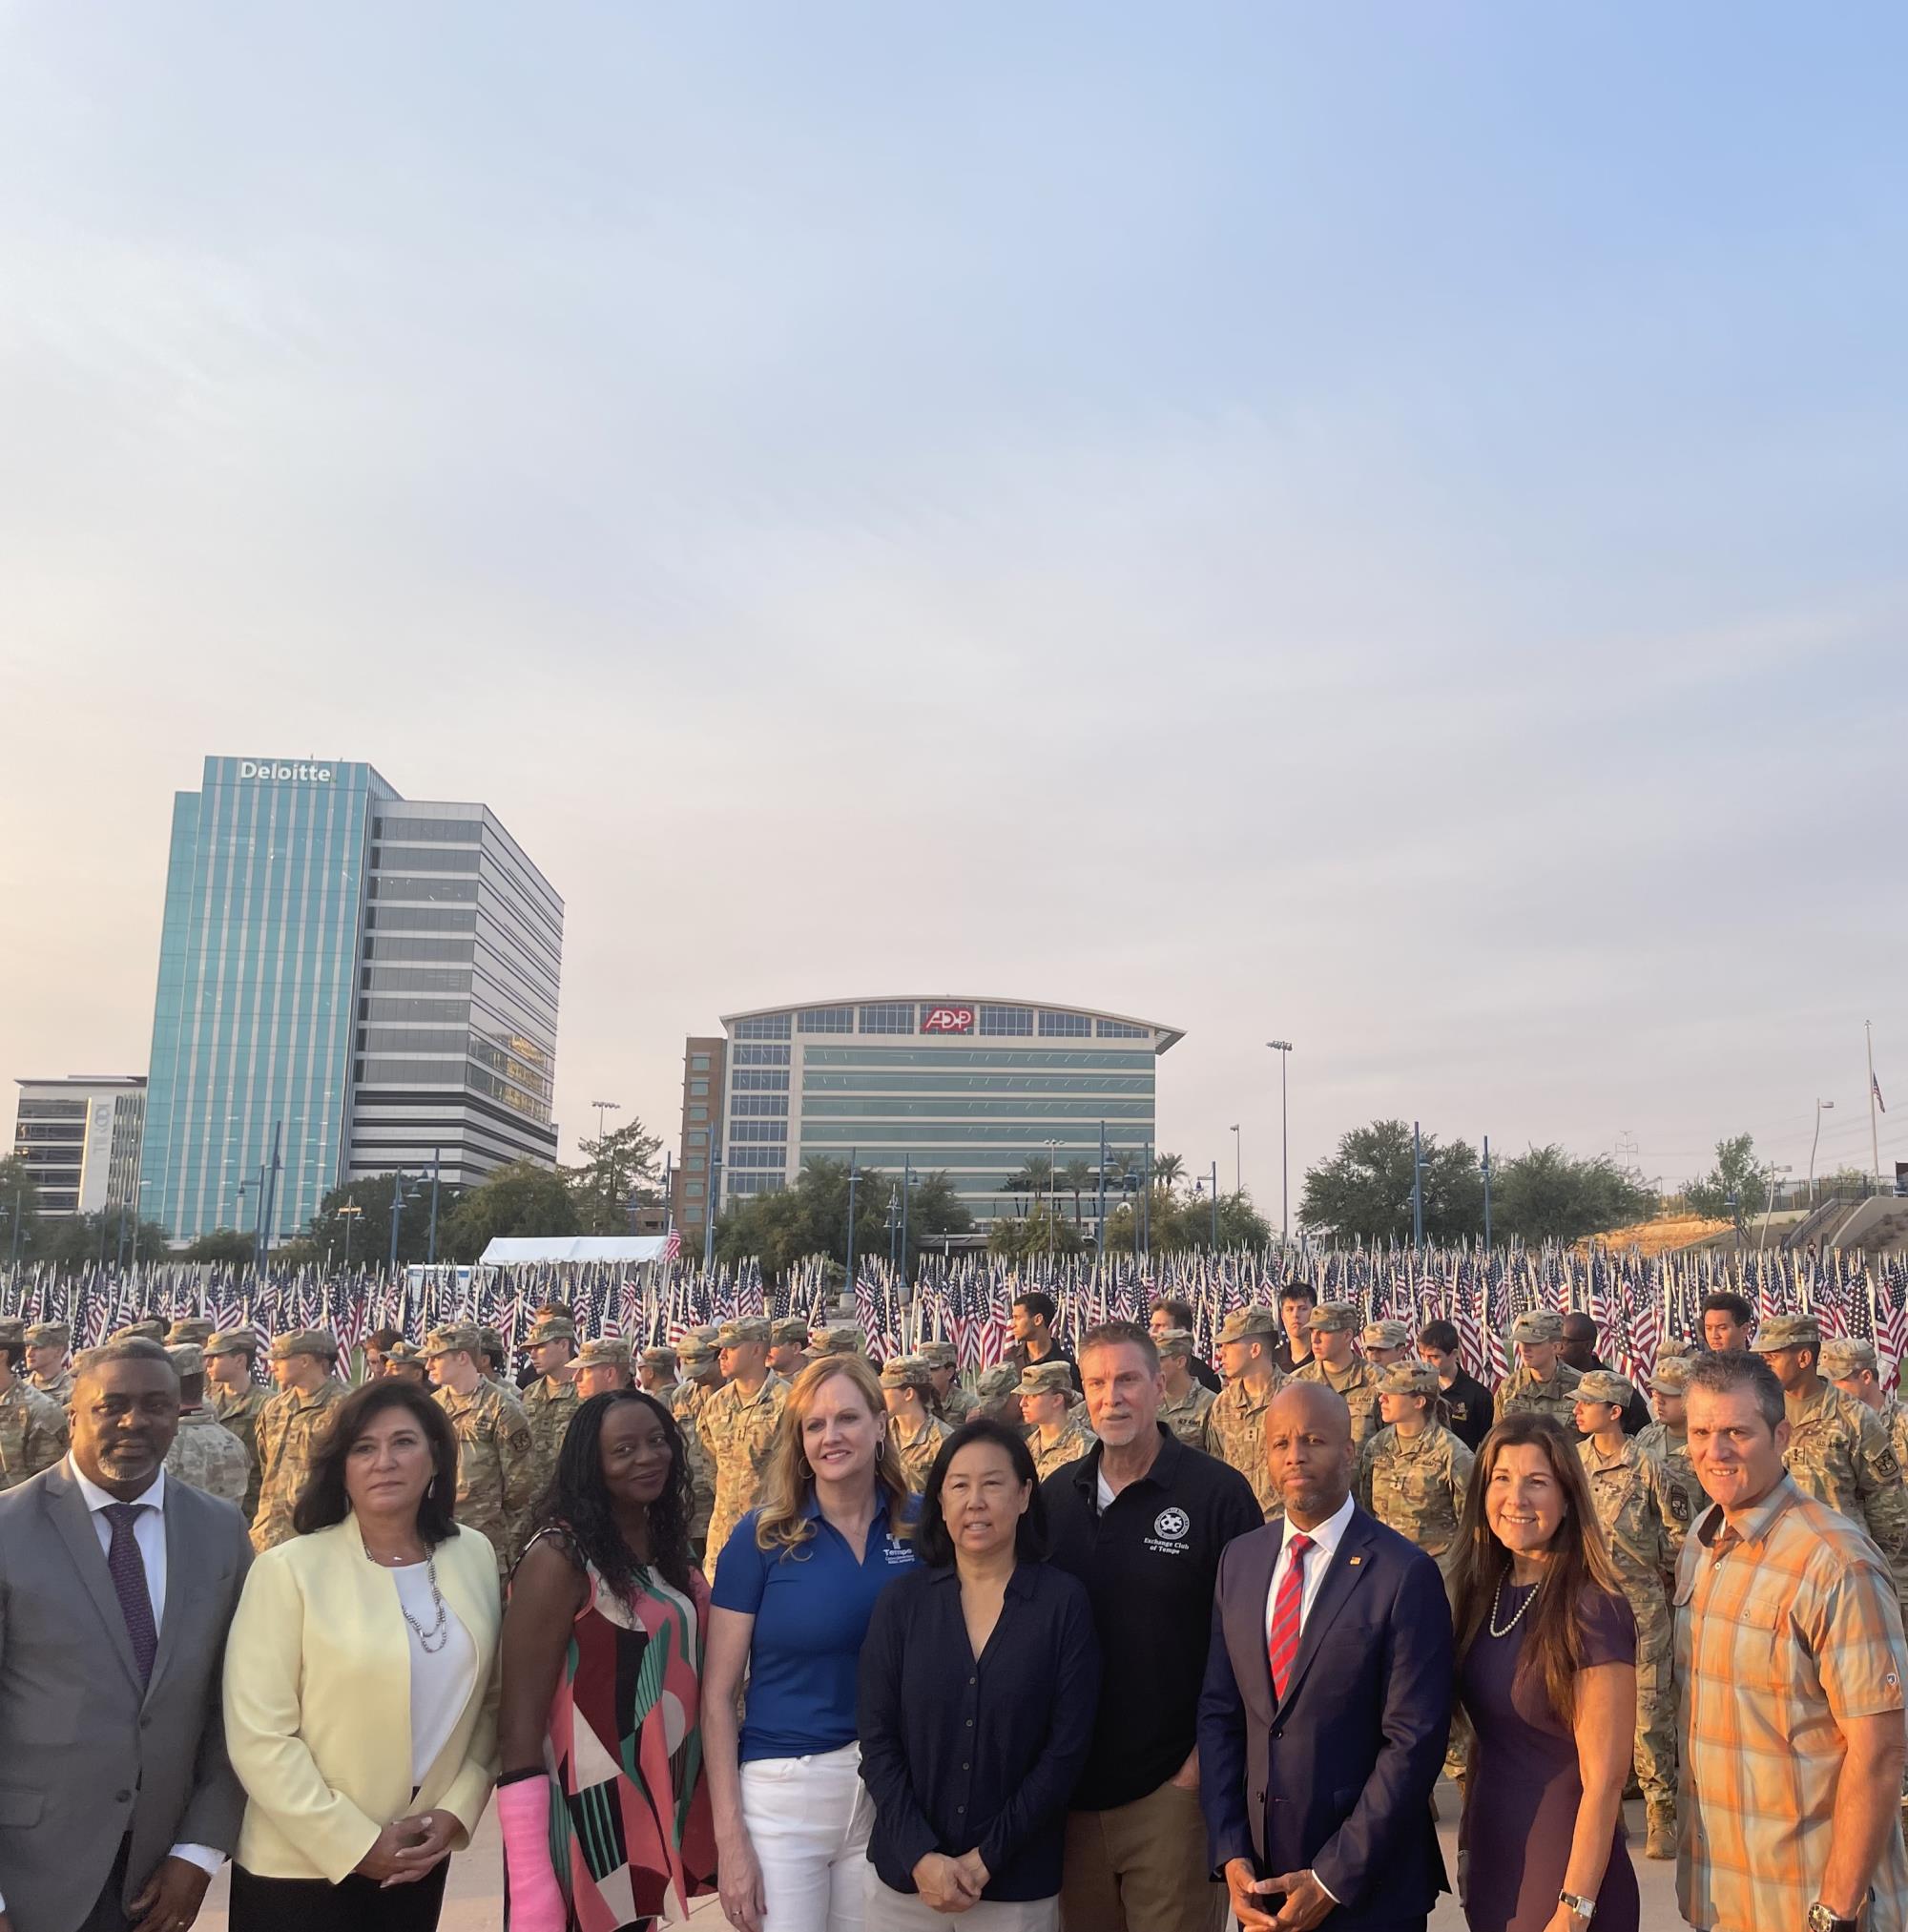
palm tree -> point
(1168, 1167)
(1077, 1175)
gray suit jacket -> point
(86, 1755)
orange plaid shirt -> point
(1782, 1631)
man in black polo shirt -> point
(1466, 1400)
(1140, 1520)
(1033, 1334)
(1296, 1301)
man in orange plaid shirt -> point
(1790, 1662)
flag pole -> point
(1874, 1135)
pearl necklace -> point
(1497, 1603)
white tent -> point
(514, 1252)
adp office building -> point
(361, 982)
(971, 1087)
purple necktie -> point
(128, 1580)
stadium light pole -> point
(1822, 1108)
(1283, 1048)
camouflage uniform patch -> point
(1186, 1415)
(33, 1434)
(496, 1468)
(207, 1456)
(737, 1431)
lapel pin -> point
(1353, 1562)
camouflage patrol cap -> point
(13, 1331)
(604, 1351)
(305, 1341)
(1787, 1331)
(789, 1333)
(1385, 1335)
(140, 1331)
(1671, 1376)
(1243, 1324)
(47, 1335)
(188, 1359)
(1678, 1349)
(231, 1341)
(494, 1344)
(407, 1353)
(551, 1328)
(1848, 1355)
(695, 1355)
(1537, 1325)
(658, 1357)
(190, 1328)
(939, 1354)
(706, 1335)
(1605, 1386)
(997, 1382)
(840, 1340)
(1174, 1342)
(1407, 1378)
(1333, 1317)
(905, 1371)
(452, 1339)
(1045, 1378)
(741, 1332)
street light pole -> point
(1487, 1193)
(1283, 1048)
(714, 1194)
(1822, 1108)
(854, 1175)
(1052, 1148)
(430, 1251)
(907, 1193)
(1215, 1207)
(1417, 1187)
(1100, 1222)
(347, 1213)
(397, 1213)
(1238, 1161)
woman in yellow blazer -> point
(361, 1682)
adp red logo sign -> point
(949, 1020)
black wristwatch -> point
(1822, 1920)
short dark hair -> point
(1181, 1312)
(1724, 1373)
(1583, 1320)
(1296, 1290)
(931, 1533)
(1120, 1335)
(128, 1348)
(1439, 1334)
(383, 1340)
(1037, 1304)
(12, 1353)
(322, 1502)
(1727, 1301)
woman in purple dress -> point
(1546, 1673)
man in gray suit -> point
(116, 1588)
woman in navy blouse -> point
(979, 1683)
(794, 1584)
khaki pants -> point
(1140, 1867)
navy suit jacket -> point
(1337, 1776)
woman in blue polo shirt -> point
(796, 1585)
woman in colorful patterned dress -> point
(604, 1811)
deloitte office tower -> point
(366, 982)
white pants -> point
(809, 1821)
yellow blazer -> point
(318, 1673)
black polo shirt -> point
(1469, 1402)
(1285, 1360)
(1023, 1361)
(1148, 1564)
(1204, 1372)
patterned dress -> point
(632, 1834)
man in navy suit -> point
(1327, 1699)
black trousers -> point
(353, 1905)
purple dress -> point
(1521, 1798)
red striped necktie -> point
(1282, 1644)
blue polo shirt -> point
(811, 1606)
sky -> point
(1377, 526)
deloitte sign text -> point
(266, 772)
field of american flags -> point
(1637, 1302)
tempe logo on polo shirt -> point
(1168, 1533)
(898, 1550)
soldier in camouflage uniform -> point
(147, 1328)
(1059, 1433)
(738, 1424)
(1541, 1380)
(204, 1454)
(996, 1395)
(1184, 1404)
(407, 1358)
(551, 1401)
(1384, 1342)
(946, 1397)
(701, 1380)
(917, 1432)
(1839, 1451)
(496, 1457)
(1236, 1421)
(47, 1367)
(840, 1338)
(656, 1374)
(1332, 1326)
(304, 1364)
(1644, 1517)
(788, 1348)
(1412, 1474)
(602, 1364)
(236, 1401)
(33, 1433)
(1667, 1442)
(190, 1329)
(1853, 1367)
(492, 1362)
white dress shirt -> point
(1325, 1541)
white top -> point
(441, 1677)
(1325, 1539)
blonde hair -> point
(788, 1481)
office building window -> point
(760, 1080)
(699, 1136)
(698, 1089)
(693, 1188)
(699, 1114)
(759, 1156)
(764, 1106)
(892, 1016)
(761, 1056)
(827, 1020)
(1006, 1020)
(699, 1063)
(1064, 1026)
(696, 1163)
(763, 1026)
(1119, 1029)
(757, 1129)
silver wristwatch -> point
(1584, 1908)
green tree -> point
(19, 1211)
(522, 1199)
(232, 1245)
(363, 1207)
(1363, 1192)
(84, 1240)
(811, 1217)
(1733, 1190)
(1020, 1238)
(617, 1170)
(1189, 1223)
(1168, 1169)
(1544, 1195)
(1078, 1177)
